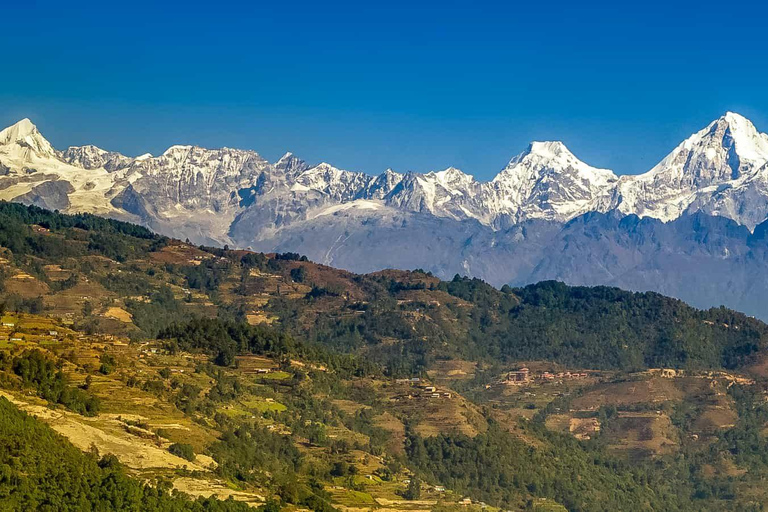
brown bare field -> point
(641, 434)
(26, 285)
(648, 390)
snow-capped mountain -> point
(721, 170)
(211, 195)
(91, 157)
(546, 214)
(548, 182)
(23, 141)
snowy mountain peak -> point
(737, 121)
(452, 181)
(286, 157)
(177, 148)
(718, 170)
(736, 117)
(335, 183)
(548, 181)
(549, 149)
(26, 138)
(543, 150)
(725, 150)
(453, 175)
(551, 158)
(291, 164)
(17, 131)
(324, 167)
(750, 144)
(553, 153)
(92, 157)
(732, 131)
(451, 171)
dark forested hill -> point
(598, 327)
(159, 282)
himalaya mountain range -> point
(693, 227)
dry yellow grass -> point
(260, 318)
(207, 488)
(107, 435)
(119, 314)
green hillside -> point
(202, 374)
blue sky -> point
(366, 86)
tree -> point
(226, 356)
(270, 506)
(340, 468)
(298, 274)
(413, 492)
(108, 364)
(183, 450)
(41, 470)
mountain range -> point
(693, 227)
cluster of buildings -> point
(563, 375)
(667, 373)
(421, 391)
(524, 376)
(12, 331)
(429, 392)
(146, 350)
(412, 381)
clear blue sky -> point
(366, 86)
